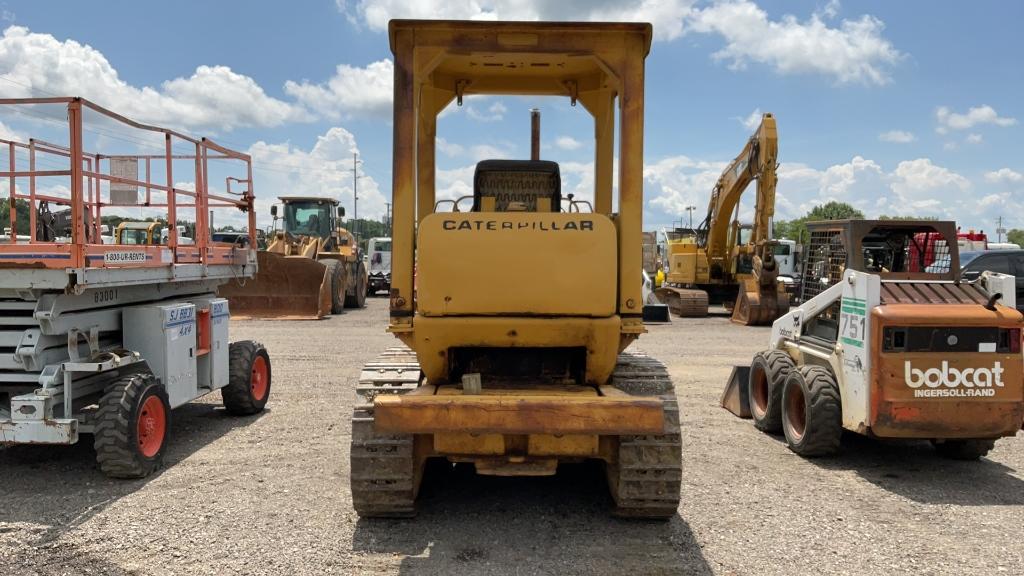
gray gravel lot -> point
(269, 494)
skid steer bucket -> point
(736, 396)
(284, 288)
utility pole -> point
(690, 209)
(387, 218)
(999, 228)
(355, 191)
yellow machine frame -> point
(593, 64)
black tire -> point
(336, 272)
(768, 372)
(964, 449)
(123, 449)
(248, 363)
(357, 299)
(812, 412)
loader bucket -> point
(735, 398)
(284, 288)
(759, 307)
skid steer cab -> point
(892, 359)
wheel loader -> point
(311, 267)
(888, 346)
(518, 370)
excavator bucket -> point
(735, 398)
(284, 288)
(684, 302)
(759, 305)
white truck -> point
(379, 252)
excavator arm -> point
(757, 161)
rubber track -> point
(824, 428)
(383, 467)
(112, 439)
(645, 481)
(779, 365)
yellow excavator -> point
(310, 269)
(718, 260)
(518, 370)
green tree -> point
(887, 217)
(20, 213)
(1015, 236)
(797, 229)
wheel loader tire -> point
(132, 422)
(965, 449)
(812, 412)
(646, 475)
(249, 378)
(336, 272)
(384, 470)
(768, 372)
(357, 299)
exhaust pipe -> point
(534, 134)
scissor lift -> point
(106, 339)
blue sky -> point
(907, 107)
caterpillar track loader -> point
(715, 261)
(524, 368)
(310, 269)
(887, 345)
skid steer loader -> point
(525, 368)
(310, 269)
(903, 350)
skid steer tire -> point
(645, 478)
(966, 449)
(812, 413)
(768, 372)
(249, 378)
(132, 422)
(336, 274)
(357, 299)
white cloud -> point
(666, 15)
(1004, 175)
(974, 139)
(568, 143)
(852, 51)
(897, 136)
(325, 170)
(752, 121)
(449, 149)
(949, 120)
(8, 133)
(213, 97)
(352, 91)
(855, 51)
(494, 113)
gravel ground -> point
(269, 494)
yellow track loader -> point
(716, 261)
(310, 269)
(524, 368)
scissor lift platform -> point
(106, 338)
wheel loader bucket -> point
(735, 397)
(284, 288)
(759, 306)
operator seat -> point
(517, 181)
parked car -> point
(1004, 261)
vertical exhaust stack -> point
(534, 134)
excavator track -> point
(384, 470)
(646, 476)
(684, 302)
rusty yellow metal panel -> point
(435, 335)
(567, 445)
(524, 414)
(519, 263)
(464, 443)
